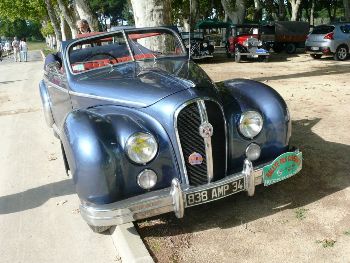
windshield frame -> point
(125, 32)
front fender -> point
(94, 142)
(240, 95)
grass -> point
(300, 213)
(35, 45)
(326, 242)
(347, 233)
(47, 51)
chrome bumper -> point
(163, 201)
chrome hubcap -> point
(342, 53)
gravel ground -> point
(303, 219)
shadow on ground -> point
(325, 171)
(35, 197)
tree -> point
(346, 4)
(69, 17)
(84, 10)
(295, 9)
(151, 12)
(235, 11)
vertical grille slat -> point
(189, 120)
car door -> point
(56, 82)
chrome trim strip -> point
(207, 141)
(185, 179)
(104, 98)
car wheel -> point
(316, 56)
(277, 47)
(228, 54)
(291, 48)
(99, 229)
(237, 57)
(341, 53)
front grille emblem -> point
(195, 158)
(206, 130)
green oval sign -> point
(283, 167)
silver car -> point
(332, 39)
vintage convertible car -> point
(144, 131)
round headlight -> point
(253, 152)
(205, 44)
(141, 147)
(250, 124)
(147, 179)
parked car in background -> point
(285, 35)
(243, 41)
(329, 40)
(200, 47)
(144, 131)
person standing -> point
(83, 26)
(15, 46)
(24, 50)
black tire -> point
(237, 56)
(228, 54)
(291, 48)
(341, 53)
(99, 229)
(316, 56)
(277, 47)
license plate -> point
(261, 51)
(314, 48)
(214, 193)
(283, 167)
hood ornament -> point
(206, 130)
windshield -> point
(114, 48)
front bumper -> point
(166, 200)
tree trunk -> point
(194, 12)
(295, 9)
(68, 16)
(281, 10)
(83, 9)
(54, 22)
(235, 12)
(347, 9)
(257, 10)
(151, 12)
(312, 13)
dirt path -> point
(303, 219)
(39, 216)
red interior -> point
(104, 62)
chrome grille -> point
(188, 122)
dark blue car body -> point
(95, 112)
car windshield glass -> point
(146, 44)
(98, 52)
(345, 28)
(322, 29)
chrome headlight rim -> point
(241, 128)
(129, 144)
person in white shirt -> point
(15, 46)
(24, 50)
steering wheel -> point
(100, 54)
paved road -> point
(39, 216)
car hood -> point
(141, 83)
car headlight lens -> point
(141, 147)
(205, 44)
(250, 124)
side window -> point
(345, 28)
(99, 52)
